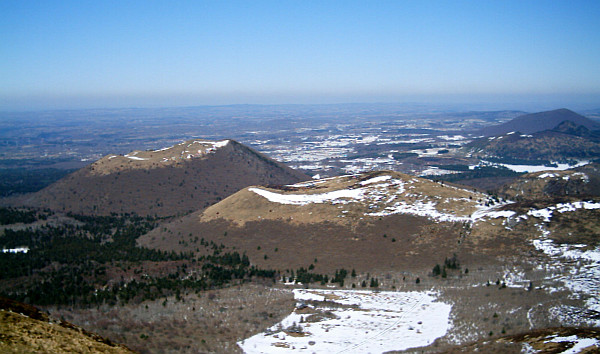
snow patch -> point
(578, 343)
(547, 175)
(335, 197)
(362, 321)
(16, 250)
(451, 138)
(384, 196)
(136, 158)
(534, 168)
(436, 171)
(375, 180)
(546, 213)
(580, 274)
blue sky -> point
(84, 54)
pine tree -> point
(436, 270)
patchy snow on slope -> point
(547, 175)
(366, 164)
(451, 138)
(385, 195)
(373, 190)
(136, 158)
(315, 182)
(216, 144)
(546, 213)
(572, 251)
(335, 197)
(375, 180)
(584, 177)
(220, 144)
(212, 147)
(409, 141)
(436, 171)
(491, 213)
(347, 321)
(429, 151)
(578, 343)
(576, 268)
(514, 277)
(420, 208)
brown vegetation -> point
(25, 329)
(211, 321)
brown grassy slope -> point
(396, 243)
(25, 329)
(163, 185)
(283, 236)
(207, 322)
(247, 205)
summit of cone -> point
(175, 155)
(170, 181)
(348, 199)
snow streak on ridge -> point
(385, 195)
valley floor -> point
(507, 298)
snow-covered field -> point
(347, 321)
(533, 168)
(345, 152)
(436, 171)
(370, 164)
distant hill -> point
(170, 181)
(536, 122)
(567, 140)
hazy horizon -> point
(532, 55)
(524, 103)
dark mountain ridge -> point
(165, 182)
(566, 140)
(536, 122)
(572, 128)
